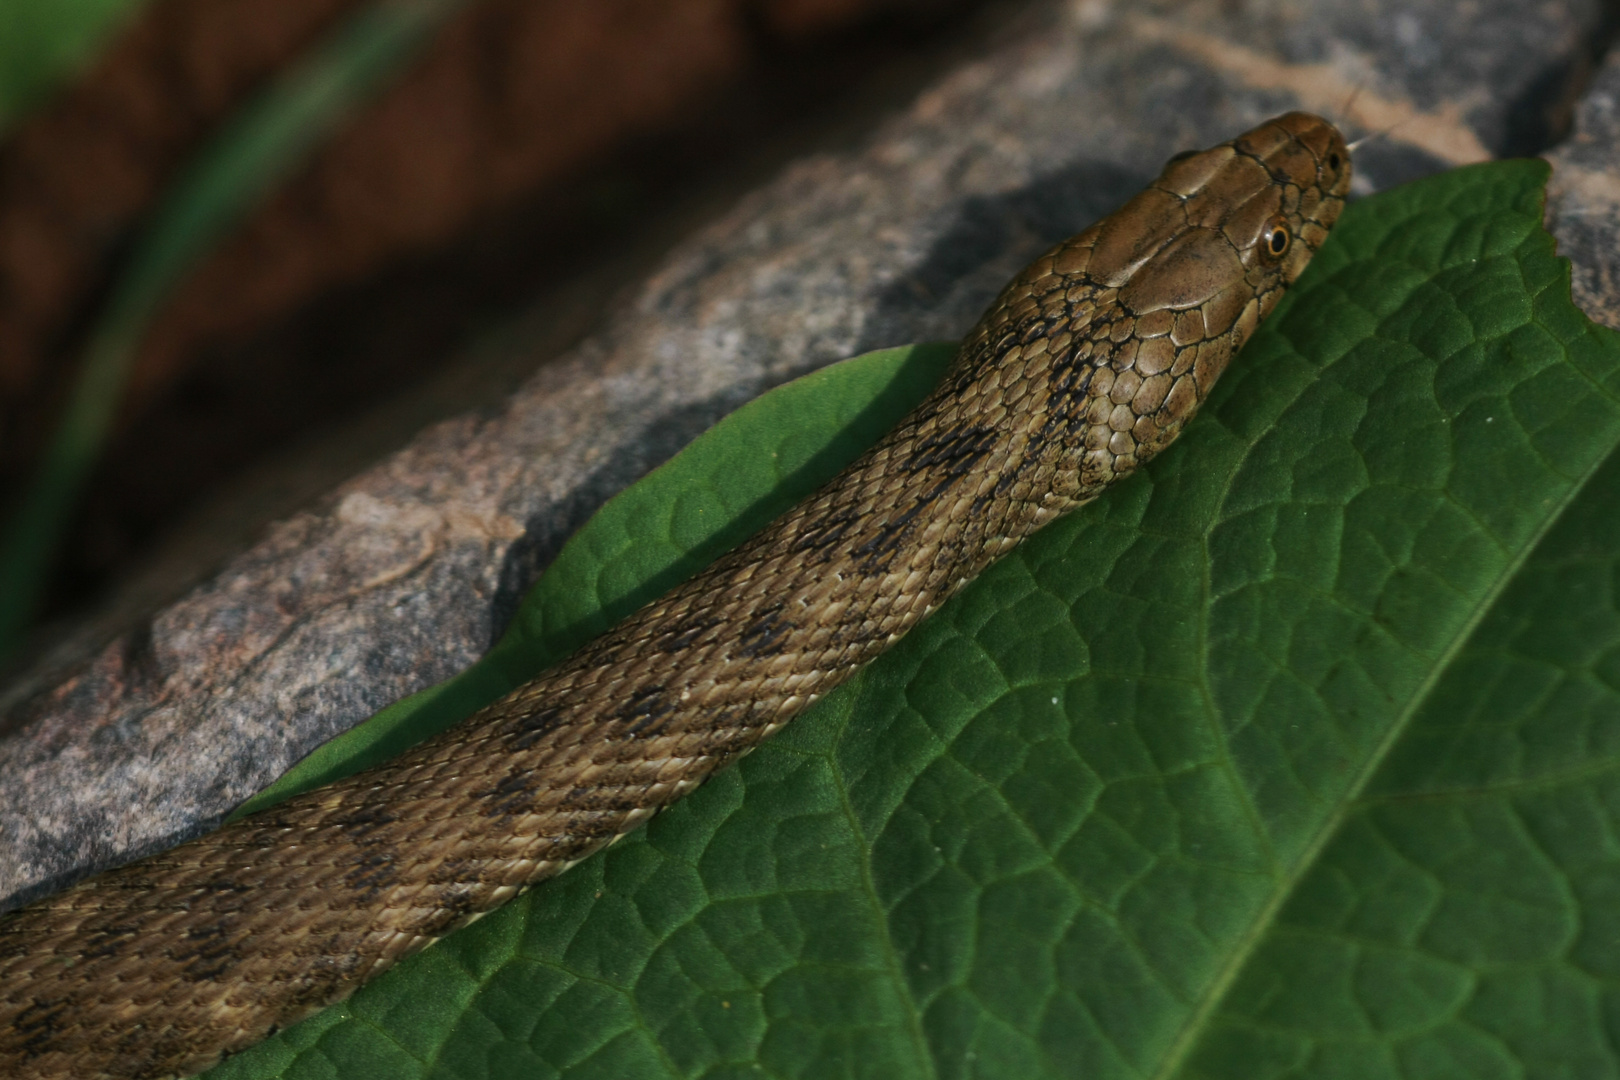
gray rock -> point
(407, 572)
(1583, 198)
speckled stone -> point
(1583, 198)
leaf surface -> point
(1293, 756)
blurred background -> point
(248, 246)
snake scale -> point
(1087, 365)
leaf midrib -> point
(893, 967)
(1352, 798)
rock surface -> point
(407, 572)
(1583, 198)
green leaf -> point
(44, 42)
(1294, 756)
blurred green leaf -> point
(1295, 756)
(260, 146)
(45, 42)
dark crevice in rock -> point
(1543, 114)
(988, 241)
(1385, 163)
(547, 530)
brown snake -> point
(1087, 365)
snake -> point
(1088, 363)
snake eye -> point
(1277, 239)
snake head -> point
(1204, 253)
(1224, 231)
(1129, 324)
(1278, 228)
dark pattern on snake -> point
(1087, 365)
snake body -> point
(1087, 365)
